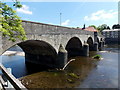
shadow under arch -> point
(39, 54)
(91, 44)
(74, 47)
(101, 39)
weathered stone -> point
(46, 40)
(85, 50)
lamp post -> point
(60, 18)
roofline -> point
(106, 30)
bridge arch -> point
(91, 43)
(74, 46)
(37, 47)
(39, 52)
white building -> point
(111, 36)
(113, 33)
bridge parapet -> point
(41, 28)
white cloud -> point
(24, 9)
(101, 15)
(65, 23)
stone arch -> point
(7, 44)
(91, 43)
(39, 52)
(74, 46)
(8, 49)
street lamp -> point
(60, 18)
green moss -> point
(97, 57)
(70, 81)
(73, 75)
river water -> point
(84, 72)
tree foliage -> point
(93, 26)
(102, 27)
(116, 26)
(10, 23)
(108, 27)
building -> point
(111, 36)
(92, 29)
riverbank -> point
(12, 53)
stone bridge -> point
(51, 45)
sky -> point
(73, 14)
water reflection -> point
(16, 63)
(81, 67)
(91, 73)
(105, 75)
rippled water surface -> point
(84, 72)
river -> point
(84, 72)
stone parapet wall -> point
(41, 28)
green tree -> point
(108, 27)
(116, 26)
(93, 26)
(10, 23)
(102, 27)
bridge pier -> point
(95, 48)
(39, 62)
(101, 45)
(62, 57)
(85, 50)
